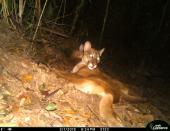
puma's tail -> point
(133, 99)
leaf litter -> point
(24, 82)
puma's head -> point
(90, 56)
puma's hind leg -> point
(106, 110)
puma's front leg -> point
(77, 67)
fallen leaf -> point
(14, 107)
(77, 118)
(6, 93)
(51, 107)
(25, 101)
(8, 125)
(86, 115)
(70, 111)
(22, 94)
(66, 120)
(42, 88)
(26, 78)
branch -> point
(104, 22)
(55, 32)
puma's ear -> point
(87, 45)
(81, 48)
(101, 51)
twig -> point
(6, 14)
(104, 22)
(37, 8)
(55, 32)
(21, 9)
(64, 11)
(13, 75)
(77, 15)
(59, 11)
(94, 114)
(163, 15)
(39, 21)
(52, 93)
(62, 17)
(15, 10)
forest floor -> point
(28, 77)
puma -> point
(87, 78)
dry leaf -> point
(86, 115)
(42, 88)
(51, 107)
(22, 95)
(14, 107)
(66, 120)
(26, 78)
(25, 101)
(70, 111)
(8, 125)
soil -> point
(28, 75)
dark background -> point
(136, 35)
